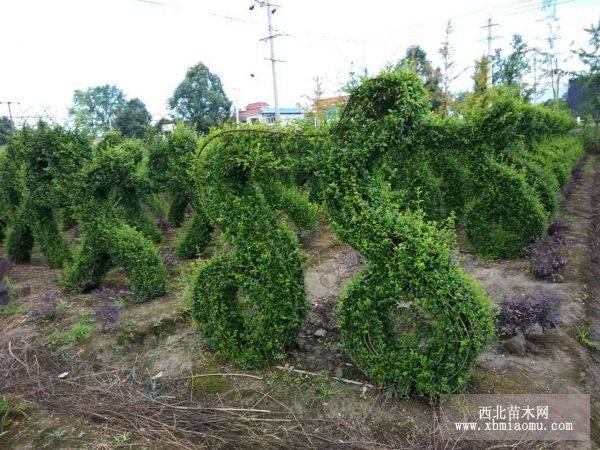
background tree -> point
(591, 57)
(416, 60)
(513, 68)
(133, 120)
(481, 75)
(446, 51)
(5, 129)
(200, 99)
(355, 78)
(96, 108)
(590, 92)
(552, 63)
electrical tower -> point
(489, 39)
(271, 8)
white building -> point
(261, 112)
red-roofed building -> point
(261, 112)
(252, 111)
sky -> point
(52, 47)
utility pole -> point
(535, 76)
(8, 103)
(489, 39)
(271, 9)
(271, 38)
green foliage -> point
(170, 162)
(133, 119)
(75, 333)
(195, 236)
(249, 299)
(515, 66)
(36, 170)
(506, 215)
(200, 99)
(9, 410)
(6, 130)
(94, 109)
(583, 335)
(410, 319)
(416, 61)
(480, 75)
(106, 200)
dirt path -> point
(593, 307)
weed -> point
(76, 333)
(129, 332)
(47, 309)
(583, 335)
(122, 438)
(285, 377)
(120, 303)
(109, 315)
(323, 388)
(8, 411)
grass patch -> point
(583, 336)
(8, 412)
(75, 333)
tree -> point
(446, 51)
(552, 64)
(416, 60)
(590, 92)
(481, 75)
(200, 100)
(512, 69)
(96, 108)
(133, 119)
(591, 57)
(6, 129)
(354, 78)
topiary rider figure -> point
(249, 298)
(36, 167)
(106, 203)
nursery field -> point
(291, 288)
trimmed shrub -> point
(115, 231)
(411, 319)
(249, 300)
(36, 171)
(506, 215)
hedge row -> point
(502, 168)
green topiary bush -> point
(106, 201)
(410, 319)
(36, 169)
(249, 299)
(170, 163)
(506, 215)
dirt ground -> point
(148, 380)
